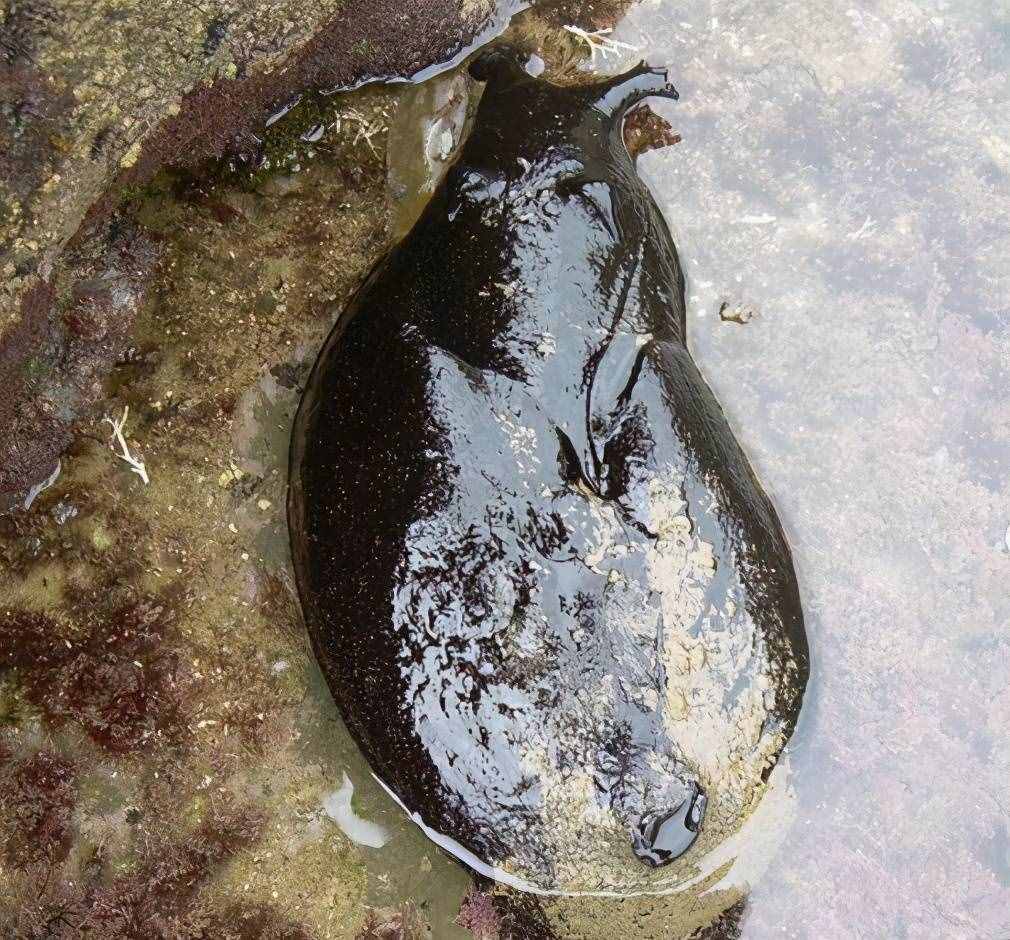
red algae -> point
(478, 915)
(37, 799)
(117, 678)
(163, 897)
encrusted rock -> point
(97, 97)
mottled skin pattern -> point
(550, 597)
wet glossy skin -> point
(549, 596)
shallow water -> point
(844, 174)
(843, 178)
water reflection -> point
(843, 173)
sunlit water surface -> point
(844, 174)
(843, 177)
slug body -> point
(549, 596)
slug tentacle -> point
(616, 96)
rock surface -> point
(94, 98)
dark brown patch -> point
(644, 130)
(404, 923)
(115, 676)
(36, 804)
(727, 926)
(523, 917)
(161, 899)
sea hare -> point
(552, 601)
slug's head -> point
(533, 122)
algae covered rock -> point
(96, 97)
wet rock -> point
(94, 99)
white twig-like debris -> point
(366, 129)
(599, 41)
(137, 466)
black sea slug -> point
(551, 599)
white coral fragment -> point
(137, 466)
(599, 41)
